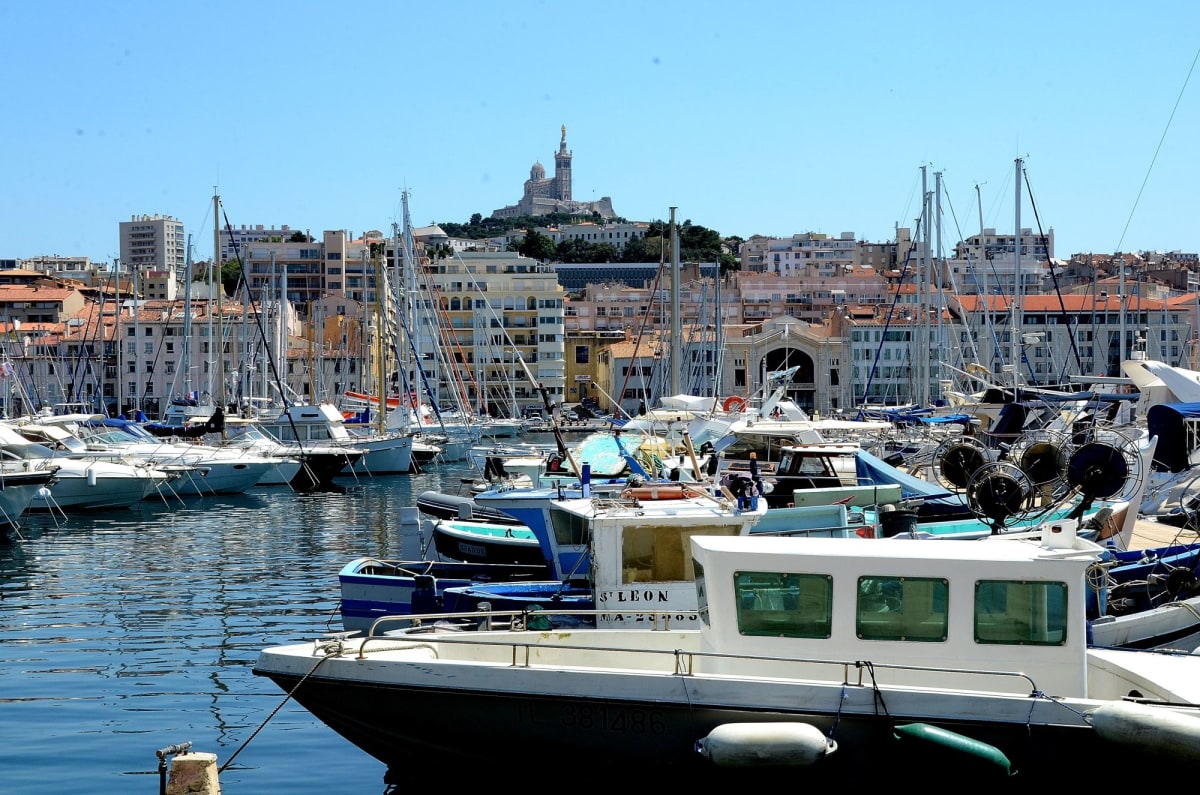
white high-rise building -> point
(154, 243)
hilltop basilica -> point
(545, 195)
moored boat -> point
(837, 655)
(594, 551)
(474, 541)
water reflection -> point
(132, 630)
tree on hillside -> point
(537, 246)
(479, 227)
(584, 251)
(696, 243)
(651, 248)
(443, 251)
(231, 276)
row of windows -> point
(169, 367)
(893, 608)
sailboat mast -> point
(936, 287)
(138, 394)
(186, 354)
(981, 267)
(119, 340)
(1018, 290)
(676, 328)
(220, 338)
(381, 369)
(410, 272)
(923, 288)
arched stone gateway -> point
(801, 388)
(813, 353)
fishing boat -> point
(594, 550)
(444, 505)
(1095, 479)
(846, 658)
(1148, 598)
(475, 541)
(373, 588)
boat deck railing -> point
(518, 638)
(524, 619)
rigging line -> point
(892, 309)
(91, 332)
(1157, 149)
(486, 336)
(258, 321)
(1062, 308)
(456, 380)
(642, 327)
(975, 276)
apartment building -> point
(613, 234)
(235, 240)
(476, 317)
(154, 243)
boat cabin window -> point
(662, 554)
(1020, 612)
(300, 432)
(800, 605)
(701, 591)
(784, 605)
(569, 530)
(902, 608)
(16, 452)
(797, 463)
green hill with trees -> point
(696, 243)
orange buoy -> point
(655, 492)
(734, 403)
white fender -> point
(754, 744)
(1157, 729)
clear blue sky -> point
(750, 118)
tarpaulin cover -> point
(935, 502)
(1169, 422)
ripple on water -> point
(131, 630)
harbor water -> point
(130, 631)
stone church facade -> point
(545, 195)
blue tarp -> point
(934, 500)
(1168, 421)
(962, 419)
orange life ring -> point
(734, 403)
(655, 493)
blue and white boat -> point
(848, 658)
(597, 551)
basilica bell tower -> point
(562, 169)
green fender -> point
(955, 742)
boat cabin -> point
(321, 423)
(638, 549)
(948, 605)
(825, 467)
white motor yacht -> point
(201, 469)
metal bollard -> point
(163, 753)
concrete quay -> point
(1149, 533)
